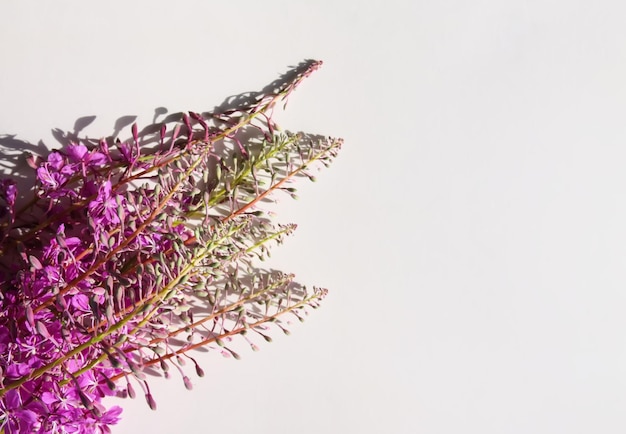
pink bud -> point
(30, 316)
(151, 402)
(199, 371)
(135, 134)
(33, 161)
(187, 382)
(131, 391)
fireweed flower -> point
(54, 173)
(50, 179)
(16, 417)
(104, 280)
(103, 208)
(79, 153)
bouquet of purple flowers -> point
(132, 254)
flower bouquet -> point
(130, 255)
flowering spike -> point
(127, 259)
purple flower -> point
(103, 208)
(80, 154)
(59, 402)
(81, 302)
(17, 370)
(56, 161)
(50, 180)
(14, 418)
(54, 173)
(112, 416)
(89, 189)
(127, 153)
(35, 348)
(53, 252)
(39, 283)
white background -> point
(472, 232)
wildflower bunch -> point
(133, 254)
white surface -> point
(472, 232)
